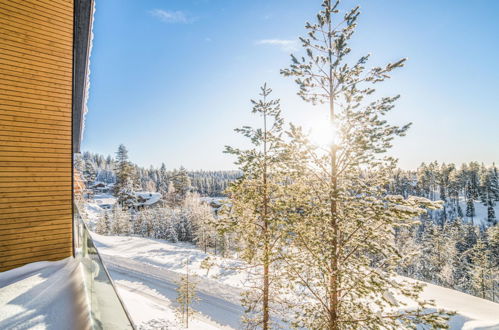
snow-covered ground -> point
(480, 218)
(145, 271)
(44, 295)
(105, 201)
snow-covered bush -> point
(192, 221)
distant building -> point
(147, 199)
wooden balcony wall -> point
(36, 60)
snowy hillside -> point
(145, 271)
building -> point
(44, 56)
(43, 68)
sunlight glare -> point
(322, 132)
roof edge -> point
(82, 39)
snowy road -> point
(158, 286)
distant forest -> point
(99, 168)
(469, 192)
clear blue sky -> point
(171, 79)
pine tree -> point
(207, 263)
(181, 182)
(186, 296)
(470, 202)
(493, 243)
(126, 195)
(124, 186)
(201, 218)
(89, 172)
(257, 208)
(494, 182)
(103, 224)
(482, 271)
(344, 255)
(489, 193)
(437, 257)
(171, 197)
(121, 222)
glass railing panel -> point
(107, 311)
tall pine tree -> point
(124, 186)
(345, 251)
(257, 211)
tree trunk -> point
(334, 275)
(266, 246)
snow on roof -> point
(44, 295)
(149, 196)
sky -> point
(172, 79)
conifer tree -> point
(257, 208)
(89, 172)
(482, 271)
(470, 202)
(495, 182)
(438, 253)
(126, 195)
(181, 182)
(488, 194)
(103, 224)
(120, 223)
(124, 186)
(186, 296)
(344, 255)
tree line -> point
(461, 189)
(110, 170)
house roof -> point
(83, 18)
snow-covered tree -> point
(207, 264)
(201, 217)
(470, 202)
(438, 254)
(483, 274)
(494, 182)
(126, 195)
(121, 221)
(257, 210)
(103, 225)
(344, 253)
(124, 186)
(181, 182)
(489, 193)
(186, 296)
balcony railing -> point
(107, 310)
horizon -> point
(197, 77)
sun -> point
(322, 133)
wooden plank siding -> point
(36, 84)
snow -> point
(92, 213)
(149, 196)
(150, 294)
(472, 312)
(105, 201)
(44, 295)
(172, 256)
(146, 270)
(480, 217)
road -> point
(216, 301)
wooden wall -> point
(36, 42)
